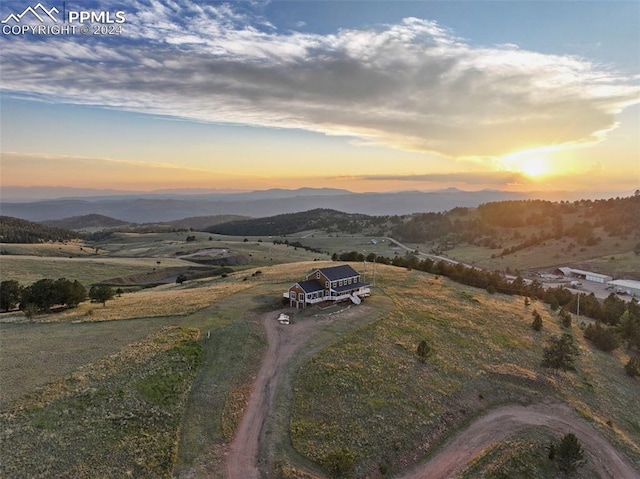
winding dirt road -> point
(493, 427)
(499, 424)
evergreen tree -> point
(632, 368)
(569, 453)
(560, 353)
(537, 321)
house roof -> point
(339, 272)
(310, 286)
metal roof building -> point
(628, 286)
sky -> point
(361, 95)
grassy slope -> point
(524, 456)
(127, 405)
(483, 345)
(368, 398)
(556, 252)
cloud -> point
(412, 85)
(494, 178)
(80, 171)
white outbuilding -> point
(627, 286)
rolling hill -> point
(84, 222)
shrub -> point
(565, 318)
(537, 321)
(424, 350)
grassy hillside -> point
(129, 404)
(368, 400)
(356, 391)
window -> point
(326, 284)
(300, 297)
(340, 283)
(318, 275)
(349, 280)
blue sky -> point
(368, 96)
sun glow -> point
(534, 166)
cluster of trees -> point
(15, 230)
(297, 244)
(45, 294)
(41, 295)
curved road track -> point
(495, 426)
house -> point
(337, 283)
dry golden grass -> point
(166, 300)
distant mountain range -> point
(169, 206)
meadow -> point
(355, 393)
(367, 402)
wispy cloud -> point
(412, 85)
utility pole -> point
(374, 272)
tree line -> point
(616, 318)
(47, 294)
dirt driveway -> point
(493, 427)
(283, 341)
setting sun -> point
(534, 166)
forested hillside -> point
(318, 219)
(86, 221)
(488, 224)
(15, 230)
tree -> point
(629, 329)
(537, 321)
(565, 317)
(604, 338)
(560, 353)
(10, 292)
(40, 294)
(632, 368)
(424, 350)
(569, 453)
(181, 278)
(100, 294)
